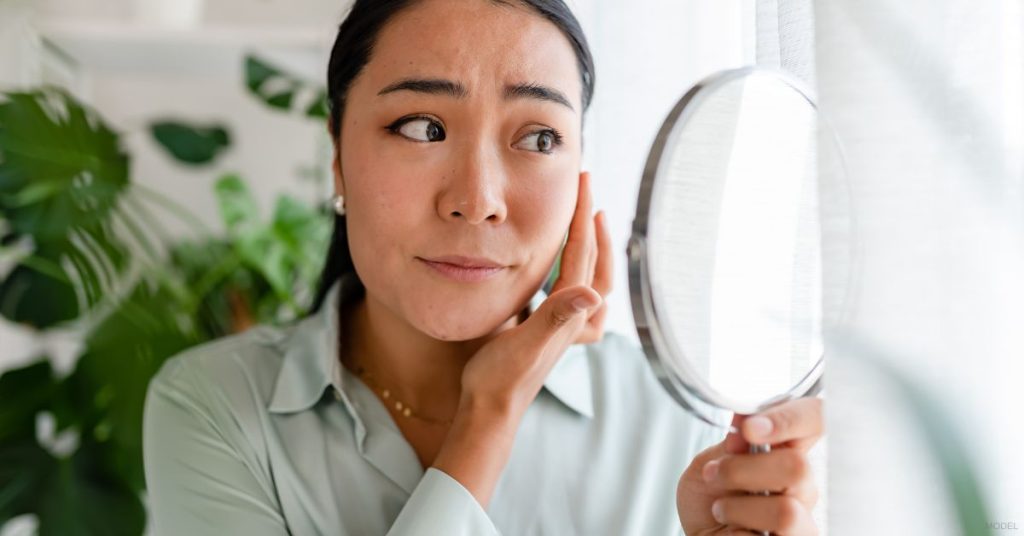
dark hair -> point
(351, 51)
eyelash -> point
(393, 128)
(556, 138)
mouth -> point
(463, 269)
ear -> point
(339, 181)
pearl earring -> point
(339, 204)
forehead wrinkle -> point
(494, 46)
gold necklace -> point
(402, 408)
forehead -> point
(480, 43)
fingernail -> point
(759, 426)
(716, 511)
(582, 303)
(710, 470)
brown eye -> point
(419, 129)
(543, 141)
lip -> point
(465, 269)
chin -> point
(463, 325)
(466, 316)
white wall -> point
(647, 54)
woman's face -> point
(460, 137)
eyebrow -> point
(433, 86)
(537, 91)
(437, 86)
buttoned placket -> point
(379, 440)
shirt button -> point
(337, 394)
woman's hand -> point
(714, 493)
(512, 367)
(504, 376)
(588, 259)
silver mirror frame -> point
(687, 387)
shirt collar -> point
(307, 368)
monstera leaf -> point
(60, 166)
(121, 354)
(62, 171)
(70, 492)
(89, 486)
(280, 89)
(190, 144)
(71, 496)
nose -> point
(475, 191)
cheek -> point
(385, 216)
(386, 196)
(385, 207)
(545, 206)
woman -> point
(436, 389)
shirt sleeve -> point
(441, 505)
(197, 482)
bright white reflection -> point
(735, 242)
(764, 287)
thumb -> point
(559, 310)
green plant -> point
(191, 144)
(87, 255)
(61, 173)
(279, 89)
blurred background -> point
(164, 173)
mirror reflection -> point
(734, 240)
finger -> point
(806, 492)
(573, 270)
(593, 331)
(562, 315)
(803, 445)
(778, 471)
(591, 233)
(795, 420)
(778, 514)
(603, 273)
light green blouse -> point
(264, 433)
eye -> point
(543, 141)
(423, 129)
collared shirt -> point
(265, 433)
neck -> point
(420, 370)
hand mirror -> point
(725, 259)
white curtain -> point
(648, 53)
(928, 99)
(785, 37)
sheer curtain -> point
(928, 98)
(784, 40)
(785, 37)
(648, 53)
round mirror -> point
(725, 261)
